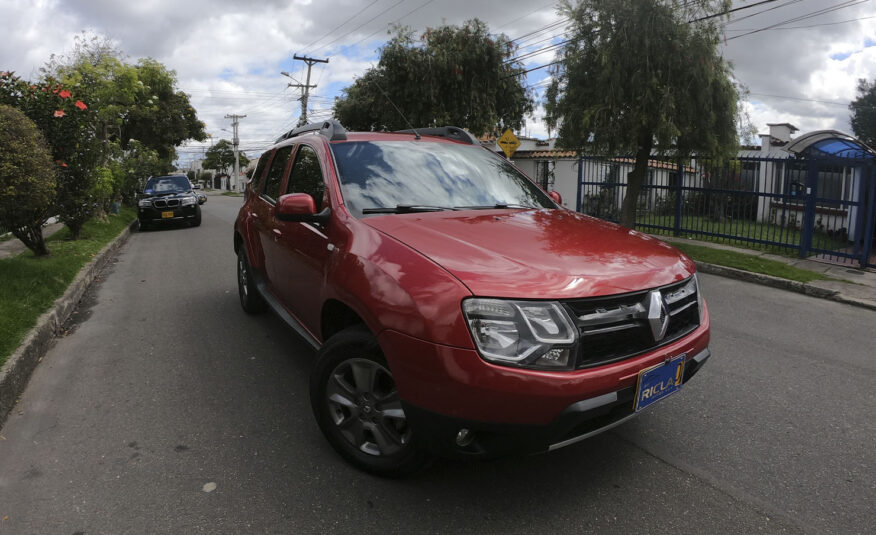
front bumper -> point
(512, 410)
(581, 420)
(150, 214)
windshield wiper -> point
(492, 206)
(406, 209)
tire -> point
(197, 221)
(251, 300)
(356, 404)
(142, 225)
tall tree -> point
(133, 101)
(220, 156)
(459, 75)
(639, 76)
(27, 179)
(863, 109)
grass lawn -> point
(748, 262)
(232, 194)
(29, 285)
(740, 229)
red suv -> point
(457, 310)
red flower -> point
(81, 105)
(64, 94)
(59, 162)
(59, 113)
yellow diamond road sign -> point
(509, 142)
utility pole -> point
(305, 86)
(235, 142)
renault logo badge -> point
(658, 315)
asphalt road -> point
(166, 409)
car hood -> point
(167, 195)
(552, 254)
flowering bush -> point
(67, 123)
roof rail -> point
(450, 132)
(329, 128)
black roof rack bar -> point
(450, 132)
(329, 128)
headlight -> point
(530, 334)
(699, 298)
(187, 201)
(144, 203)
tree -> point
(863, 117)
(462, 76)
(639, 76)
(133, 102)
(68, 125)
(221, 156)
(27, 179)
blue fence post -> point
(580, 182)
(679, 201)
(869, 206)
(808, 225)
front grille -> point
(165, 203)
(617, 327)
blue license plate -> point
(659, 381)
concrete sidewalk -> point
(13, 246)
(854, 286)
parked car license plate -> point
(166, 215)
(658, 382)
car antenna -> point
(416, 134)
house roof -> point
(831, 143)
(550, 153)
(656, 164)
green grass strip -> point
(29, 285)
(746, 262)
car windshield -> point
(167, 184)
(405, 176)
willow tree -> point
(453, 75)
(643, 76)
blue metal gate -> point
(821, 208)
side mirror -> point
(300, 207)
(555, 195)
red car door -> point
(264, 222)
(304, 247)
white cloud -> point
(229, 54)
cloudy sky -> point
(800, 59)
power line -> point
(803, 27)
(810, 15)
(359, 26)
(763, 11)
(341, 24)
(712, 16)
(524, 16)
(382, 28)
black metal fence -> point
(821, 208)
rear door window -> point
(306, 176)
(260, 170)
(274, 180)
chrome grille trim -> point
(617, 327)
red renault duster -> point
(457, 310)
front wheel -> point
(357, 406)
(250, 298)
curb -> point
(782, 284)
(18, 368)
